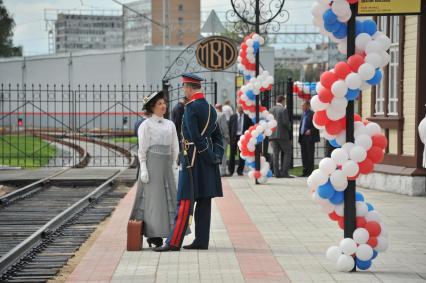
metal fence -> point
(294, 104)
(57, 126)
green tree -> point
(7, 24)
(281, 74)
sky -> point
(30, 30)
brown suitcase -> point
(134, 235)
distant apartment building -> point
(82, 32)
(137, 29)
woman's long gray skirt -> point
(155, 202)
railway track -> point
(43, 224)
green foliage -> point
(281, 73)
(7, 24)
(133, 140)
(25, 151)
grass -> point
(25, 151)
(133, 140)
(297, 171)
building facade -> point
(84, 32)
(398, 106)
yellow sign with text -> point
(389, 7)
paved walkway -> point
(264, 233)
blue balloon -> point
(256, 46)
(269, 174)
(370, 206)
(329, 17)
(377, 78)
(375, 254)
(358, 27)
(313, 87)
(259, 138)
(251, 164)
(352, 94)
(332, 27)
(254, 120)
(342, 32)
(363, 265)
(250, 94)
(326, 191)
(337, 198)
(247, 78)
(369, 26)
(334, 143)
(359, 196)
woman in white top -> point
(158, 151)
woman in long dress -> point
(158, 151)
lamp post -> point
(249, 13)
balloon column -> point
(349, 160)
(304, 90)
(247, 98)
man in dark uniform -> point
(199, 176)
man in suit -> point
(280, 139)
(199, 176)
(308, 136)
(224, 128)
(238, 124)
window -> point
(180, 20)
(388, 89)
(180, 7)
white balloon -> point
(320, 177)
(361, 208)
(317, 105)
(268, 132)
(362, 40)
(249, 42)
(335, 114)
(373, 216)
(318, 87)
(339, 180)
(333, 253)
(366, 71)
(340, 209)
(327, 136)
(339, 103)
(345, 18)
(339, 156)
(384, 232)
(345, 263)
(373, 129)
(361, 235)
(359, 129)
(348, 246)
(377, 34)
(327, 207)
(382, 244)
(373, 47)
(375, 59)
(250, 174)
(364, 252)
(340, 8)
(364, 141)
(385, 58)
(327, 165)
(341, 138)
(358, 153)
(342, 47)
(384, 41)
(353, 80)
(350, 168)
(347, 147)
(339, 88)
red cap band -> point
(189, 80)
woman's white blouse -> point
(157, 131)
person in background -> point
(227, 109)
(308, 136)
(158, 150)
(224, 128)
(238, 124)
(280, 139)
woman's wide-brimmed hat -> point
(150, 97)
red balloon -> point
(327, 79)
(376, 154)
(333, 216)
(380, 141)
(360, 222)
(341, 223)
(353, 177)
(352, 1)
(355, 61)
(325, 95)
(372, 242)
(373, 228)
(296, 88)
(320, 118)
(357, 118)
(343, 122)
(341, 70)
(333, 127)
(243, 46)
(256, 174)
(366, 166)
